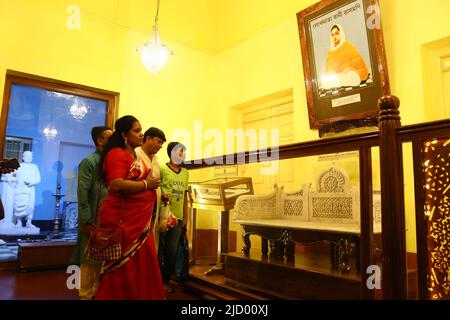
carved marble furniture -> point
(331, 213)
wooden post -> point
(392, 203)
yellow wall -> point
(240, 20)
(408, 25)
(192, 24)
(36, 39)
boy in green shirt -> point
(174, 184)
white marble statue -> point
(8, 183)
(24, 195)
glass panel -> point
(308, 211)
(214, 188)
(410, 222)
(218, 181)
(375, 272)
(55, 128)
(311, 206)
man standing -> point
(88, 193)
(154, 138)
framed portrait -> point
(344, 61)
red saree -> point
(137, 277)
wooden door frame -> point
(432, 55)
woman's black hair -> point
(122, 125)
(335, 27)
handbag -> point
(167, 219)
(105, 242)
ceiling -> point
(210, 26)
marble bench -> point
(331, 213)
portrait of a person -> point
(345, 67)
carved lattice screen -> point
(437, 213)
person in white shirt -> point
(154, 139)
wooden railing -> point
(389, 139)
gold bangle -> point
(145, 185)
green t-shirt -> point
(174, 185)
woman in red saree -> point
(129, 203)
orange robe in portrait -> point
(345, 59)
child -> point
(174, 184)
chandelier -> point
(154, 53)
(78, 110)
(50, 132)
